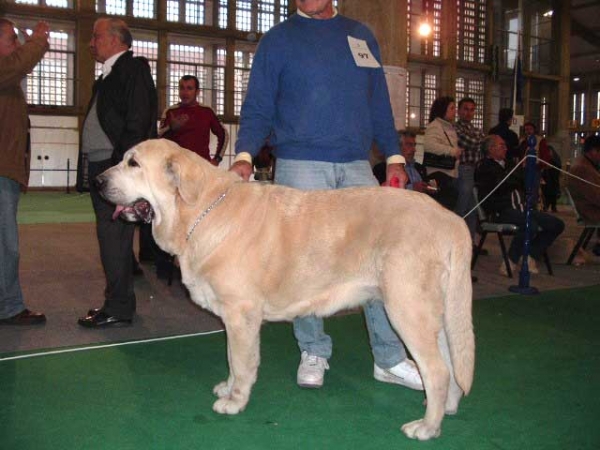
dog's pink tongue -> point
(118, 210)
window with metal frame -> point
(471, 23)
(243, 58)
(48, 3)
(203, 58)
(259, 15)
(425, 12)
(52, 81)
(145, 9)
(422, 89)
(197, 12)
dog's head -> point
(153, 178)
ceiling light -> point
(576, 78)
(548, 13)
(424, 29)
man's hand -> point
(243, 169)
(41, 30)
(421, 186)
(178, 121)
(396, 170)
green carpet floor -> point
(537, 386)
(55, 207)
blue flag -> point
(518, 80)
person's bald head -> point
(9, 41)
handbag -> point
(440, 161)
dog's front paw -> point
(228, 406)
(419, 430)
(222, 389)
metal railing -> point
(43, 170)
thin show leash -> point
(515, 168)
(206, 211)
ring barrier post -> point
(524, 274)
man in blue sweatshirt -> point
(318, 91)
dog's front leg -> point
(243, 352)
(223, 389)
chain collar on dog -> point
(206, 211)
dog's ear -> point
(180, 174)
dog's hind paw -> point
(222, 389)
(228, 406)
(419, 430)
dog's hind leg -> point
(455, 393)
(243, 353)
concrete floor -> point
(61, 276)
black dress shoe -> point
(93, 311)
(25, 317)
(101, 319)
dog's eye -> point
(132, 163)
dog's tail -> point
(457, 318)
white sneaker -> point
(404, 373)
(311, 371)
(532, 264)
(513, 268)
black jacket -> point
(509, 195)
(127, 107)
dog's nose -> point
(99, 182)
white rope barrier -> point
(98, 347)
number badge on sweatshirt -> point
(361, 53)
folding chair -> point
(586, 234)
(487, 225)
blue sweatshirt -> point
(307, 92)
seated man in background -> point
(585, 196)
(440, 189)
(507, 204)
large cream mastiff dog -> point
(251, 252)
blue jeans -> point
(11, 297)
(386, 346)
(466, 201)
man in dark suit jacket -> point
(121, 113)
(507, 203)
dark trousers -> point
(148, 247)
(545, 229)
(115, 238)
